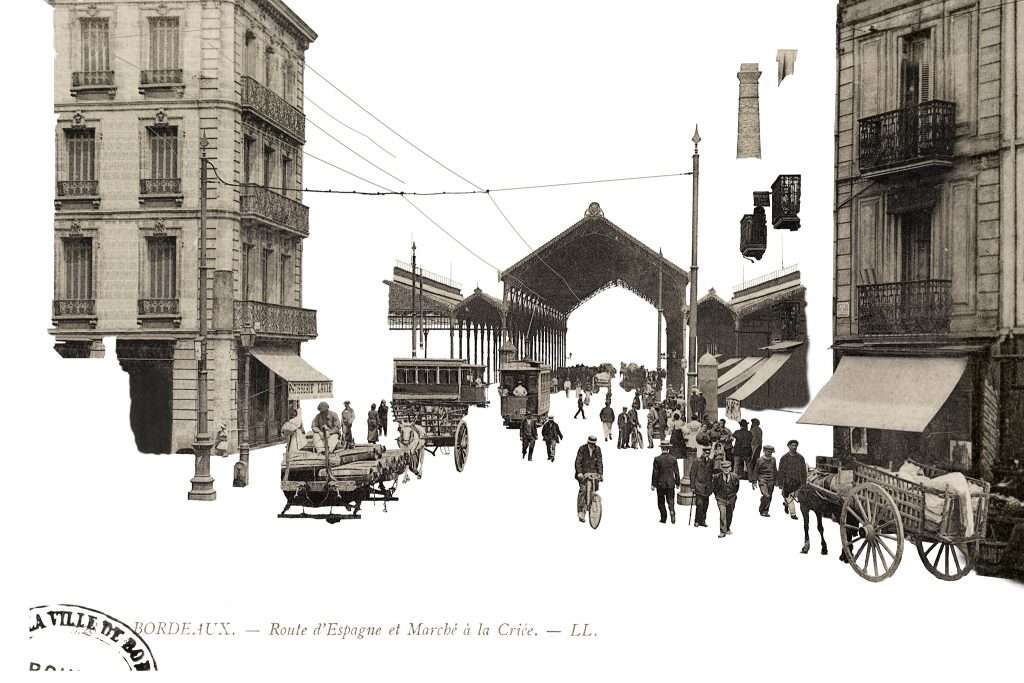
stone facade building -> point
(929, 246)
(142, 89)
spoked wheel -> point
(872, 532)
(946, 561)
(461, 446)
(595, 511)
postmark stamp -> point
(65, 637)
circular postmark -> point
(66, 637)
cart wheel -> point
(875, 550)
(595, 510)
(461, 445)
(946, 561)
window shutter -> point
(925, 56)
(78, 268)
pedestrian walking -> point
(766, 470)
(567, 385)
(701, 474)
(528, 435)
(725, 485)
(552, 434)
(382, 417)
(725, 438)
(741, 439)
(348, 418)
(792, 475)
(607, 416)
(756, 439)
(579, 407)
(676, 440)
(664, 482)
(652, 424)
(372, 428)
(698, 405)
(636, 400)
(635, 437)
(623, 423)
(586, 397)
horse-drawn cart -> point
(436, 395)
(877, 509)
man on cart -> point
(327, 425)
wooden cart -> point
(881, 509)
(436, 395)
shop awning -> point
(738, 374)
(765, 371)
(304, 381)
(897, 393)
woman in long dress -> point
(372, 425)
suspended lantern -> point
(754, 234)
(786, 202)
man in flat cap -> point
(348, 418)
(792, 475)
(766, 471)
(326, 428)
(664, 481)
(588, 461)
(725, 486)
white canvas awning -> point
(304, 381)
(896, 393)
(765, 371)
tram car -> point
(436, 395)
(535, 378)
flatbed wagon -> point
(877, 509)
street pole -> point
(202, 481)
(691, 365)
(660, 258)
(413, 299)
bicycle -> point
(592, 498)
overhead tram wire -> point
(379, 168)
(354, 130)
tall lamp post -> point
(691, 364)
(202, 481)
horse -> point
(412, 437)
(810, 500)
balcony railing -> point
(74, 308)
(916, 307)
(272, 107)
(160, 186)
(78, 188)
(158, 77)
(166, 307)
(786, 202)
(270, 206)
(917, 136)
(92, 79)
(273, 320)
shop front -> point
(275, 379)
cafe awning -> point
(304, 381)
(738, 374)
(897, 393)
(765, 371)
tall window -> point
(81, 150)
(163, 267)
(246, 265)
(163, 152)
(265, 275)
(78, 268)
(285, 278)
(288, 74)
(95, 45)
(915, 246)
(163, 43)
(268, 68)
(268, 166)
(915, 69)
(250, 54)
(248, 157)
(286, 175)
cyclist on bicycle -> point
(588, 461)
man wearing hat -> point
(552, 434)
(698, 405)
(766, 472)
(528, 435)
(792, 475)
(588, 460)
(725, 485)
(701, 474)
(741, 450)
(756, 439)
(607, 416)
(348, 418)
(664, 481)
(326, 421)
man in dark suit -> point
(528, 435)
(701, 473)
(552, 434)
(664, 481)
(588, 460)
(623, 428)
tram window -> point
(404, 376)
(444, 376)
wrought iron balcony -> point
(267, 205)
(74, 308)
(916, 307)
(272, 320)
(161, 77)
(271, 107)
(160, 186)
(159, 307)
(92, 80)
(78, 188)
(909, 139)
(786, 202)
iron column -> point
(202, 481)
(691, 365)
(413, 273)
(660, 309)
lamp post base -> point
(202, 482)
(242, 467)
